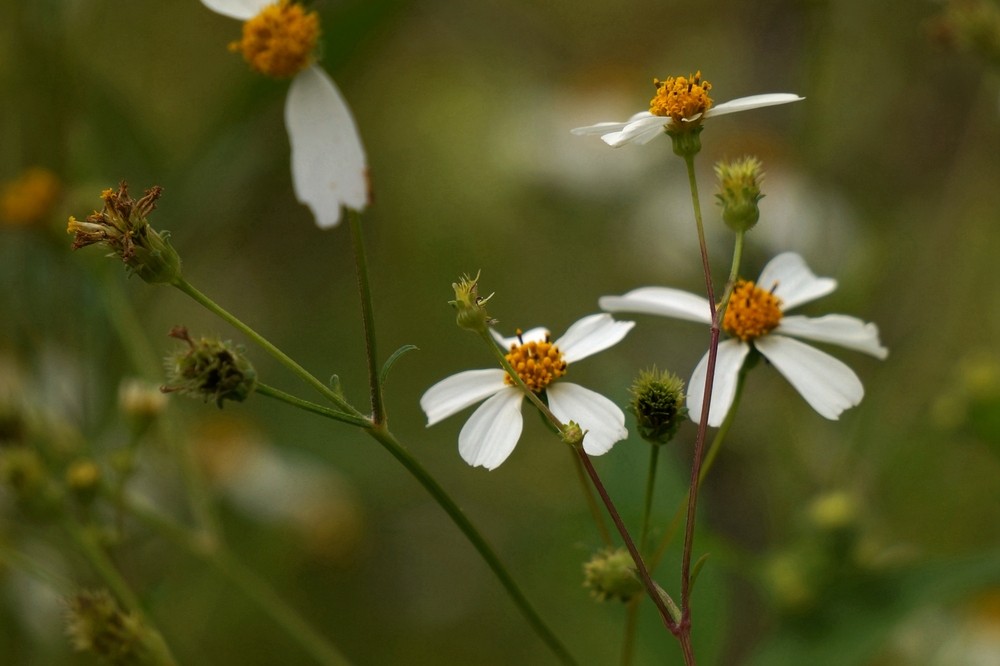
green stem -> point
(630, 629)
(283, 358)
(647, 507)
(734, 271)
(255, 588)
(102, 564)
(305, 405)
(345, 412)
(444, 500)
(367, 316)
(684, 635)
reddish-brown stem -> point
(640, 566)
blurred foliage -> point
(885, 177)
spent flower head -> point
(658, 405)
(210, 369)
(123, 225)
(96, 624)
(678, 108)
(739, 192)
(329, 167)
(470, 306)
(491, 433)
(756, 321)
(610, 575)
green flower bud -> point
(573, 434)
(739, 192)
(658, 405)
(470, 305)
(122, 225)
(686, 138)
(610, 574)
(211, 369)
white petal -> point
(849, 332)
(491, 433)
(752, 102)
(601, 418)
(728, 362)
(827, 385)
(237, 9)
(605, 127)
(792, 281)
(663, 301)
(592, 334)
(537, 334)
(644, 128)
(329, 169)
(453, 394)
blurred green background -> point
(885, 177)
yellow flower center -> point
(280, 40)
(538, 364)
(752, 312)
(681, 98)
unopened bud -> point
(610, 574)
(658, 405)
(739, 192)
(471, 306)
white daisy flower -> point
(678, 100)
(491, 433)
(755, 319)
(329, 168)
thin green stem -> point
(734, 271)
(324, 390)
(367, 316)
(478, 541)
(381, 434)
(254, 587)
(305, 405)
(629, 631)
(647, 506)
(102, 564)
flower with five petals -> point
(490, 434)
(756, 321)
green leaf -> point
(392, 360)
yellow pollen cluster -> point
(280, 40)
(752, 312)
(538, 364)
(681, 98)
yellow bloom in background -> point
(29, 198)
(329, 167)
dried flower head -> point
(210, 369)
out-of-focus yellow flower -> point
(29, 198)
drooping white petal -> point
(663, 301)
(237, 9)
(751, 102)
(605, 127)
(491, 433)
(601, 418)
(453, 394)
(843, 330)
(592, 334)
(827, 385)
(791, 280)
(642, 129)
(537, 334)
(329, 169)
(728, 362)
